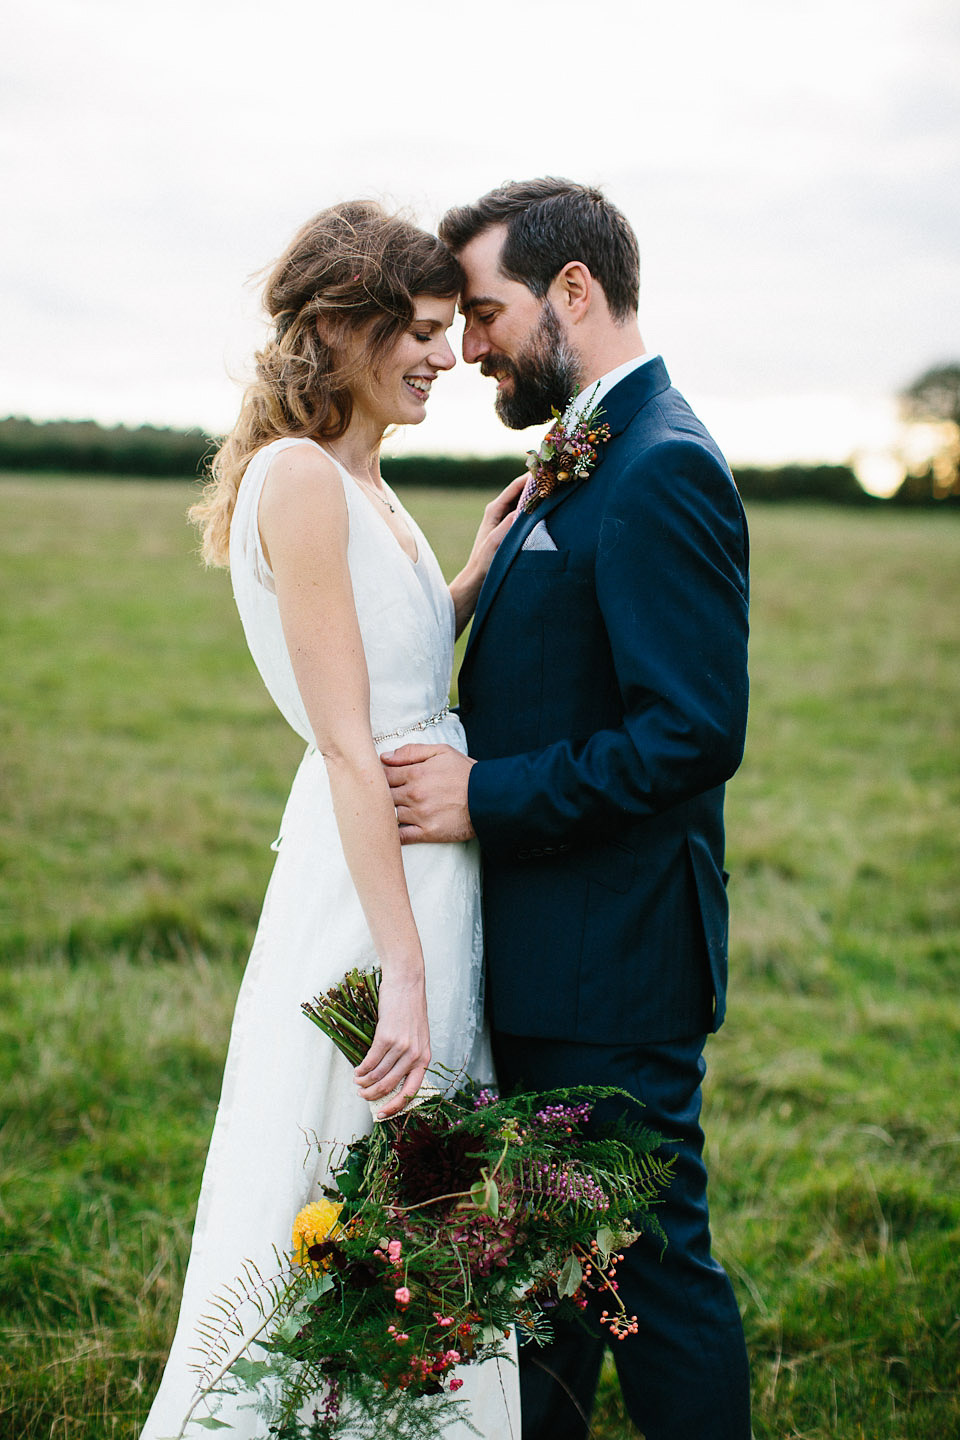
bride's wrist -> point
(403, 968)
(463, 582)
(465, 587)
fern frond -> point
(220, 1329)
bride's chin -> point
(405, 420)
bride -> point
(351, 626)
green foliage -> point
(460, 472)
(934, 398)
(444, 1228)
(934, 395)
(815, 484)
(82, 447)
(86, 448)
(933, 487)
(144, 772)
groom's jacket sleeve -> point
(671, 583)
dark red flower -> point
(433, 1164)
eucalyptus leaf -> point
(251, 1372)
(316, 1288)
(571, 1277)
(486, 1196)
(606, 1240)
(207, 1422)
(288, 1329)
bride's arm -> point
(498, 516)
(304, 530)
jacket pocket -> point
(552, 560)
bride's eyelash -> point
(418, 336)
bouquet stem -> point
(348, 1013)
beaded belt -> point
(418, 725)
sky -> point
(792, 172)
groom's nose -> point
(474, 346)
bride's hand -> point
(400, 1052)
(498, 516)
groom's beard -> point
(545, 375)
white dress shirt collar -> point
(592, 395)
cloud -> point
(791, 174)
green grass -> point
(143, 773)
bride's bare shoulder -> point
(305, 462)
(302, 495)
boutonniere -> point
(568, 452)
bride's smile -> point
(395, 390)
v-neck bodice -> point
(403, 607)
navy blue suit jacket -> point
(604, 696)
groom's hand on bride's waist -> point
(428, 785)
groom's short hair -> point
(549, 223)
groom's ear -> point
(571, 291)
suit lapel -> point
(509, 550)
(510, 547)
(619, 408)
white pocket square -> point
(539, 538)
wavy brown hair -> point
(353, 271)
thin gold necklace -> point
(365, 484)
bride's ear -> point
(329, 331)
(338, 338)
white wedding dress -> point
(285, 1085)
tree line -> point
(83, 447)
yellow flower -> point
(314, 1223)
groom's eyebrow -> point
(475, 301)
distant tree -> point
(84, 447)
(934, 396)
(934, 399)
(830, 484)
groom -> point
(604, 696)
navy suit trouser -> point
(684, 1375)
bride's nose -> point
(442, 357)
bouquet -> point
(450, 1225)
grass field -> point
(143, 773)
